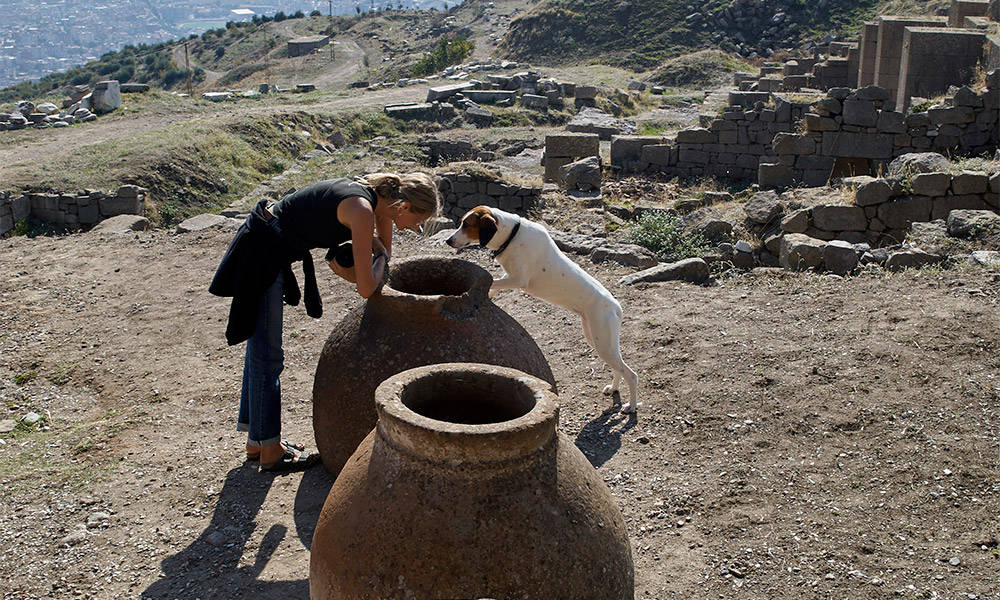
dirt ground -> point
(799, 435)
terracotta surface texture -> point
(432, 310)
(466, 490)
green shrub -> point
(664, 235)
(449, 50)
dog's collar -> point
(510, 238)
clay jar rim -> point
(475, 280)
(458, 443)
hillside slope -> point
(641, 33)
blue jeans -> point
(260, 399)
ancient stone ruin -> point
(80, 209)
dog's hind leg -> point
(605, 336)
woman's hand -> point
(343, 272)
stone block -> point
(800, 252)
(770, 176)
(585, 92)
(576, 145)
(553, 165)
(796, 222)
(860, 112)
(857, 145)
(969, 182)
(890, 47)
(89, 214)
(446, 91)
(21, 207)
(696, 135)
(659, 154)
(942, 206)
(902, 211)
(114, 205)
(995, 183)
(840, 257)
(625, 148)
(789, 143)
(871, 193)
(839, 218)
(814, 122)
(931, 184)
(535, 102)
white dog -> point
(533, 263)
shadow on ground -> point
(210, 566)
(601, 438)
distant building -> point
(305, 45)
(241, 14)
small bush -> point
(664, 235)
(449, 50)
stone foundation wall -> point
(850, 133)
(884, 209)
(462, 191)
(81, 209)
(730, 147)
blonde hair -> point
(418, 189)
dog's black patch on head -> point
(487, 229)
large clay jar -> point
(431, 310)
(466, 490)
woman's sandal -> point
(286, 443)
(291, 461)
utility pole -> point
(187, 67)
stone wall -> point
(730, 146)
(934, 59)
(884, 209)
(462, 191)
(80, 209)
(851, 133)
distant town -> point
(38, 37)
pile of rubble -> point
(81, 106)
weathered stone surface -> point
(910, 258)
(534, 101)
(694, 270)
(799, 251)
(904, 210)
(945, 204)
(106, 97)
(873, 192)
(203, 221)
(575, 145)
(796, 222)
(715, 230)
(770, 176)
(858, 145)
(445, 91)
(931, 184)
(840, 257)
(918, 162)
(216, 96)
(995, 183)
(763, 208)
(860, 112)
(969, 182)
(987, 258)
(839, 218)
(583, 174)
(122, 224)
(592, 120)
(696, 135)
(576, 243)
(626, 254)
(969, 223)
(790, 143)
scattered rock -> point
(694, 270)
(7, 425)
(910, 258)
(203, 221)
(122, 224)
(799, 252)
(763, 207)
(625, 254)
(918, 162)
(969, 223)
(584, 174)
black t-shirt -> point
(308, 217)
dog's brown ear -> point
(487, 228)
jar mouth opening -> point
(480, 400)
(459, 413)
(434, 277)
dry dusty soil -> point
(800, 436)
